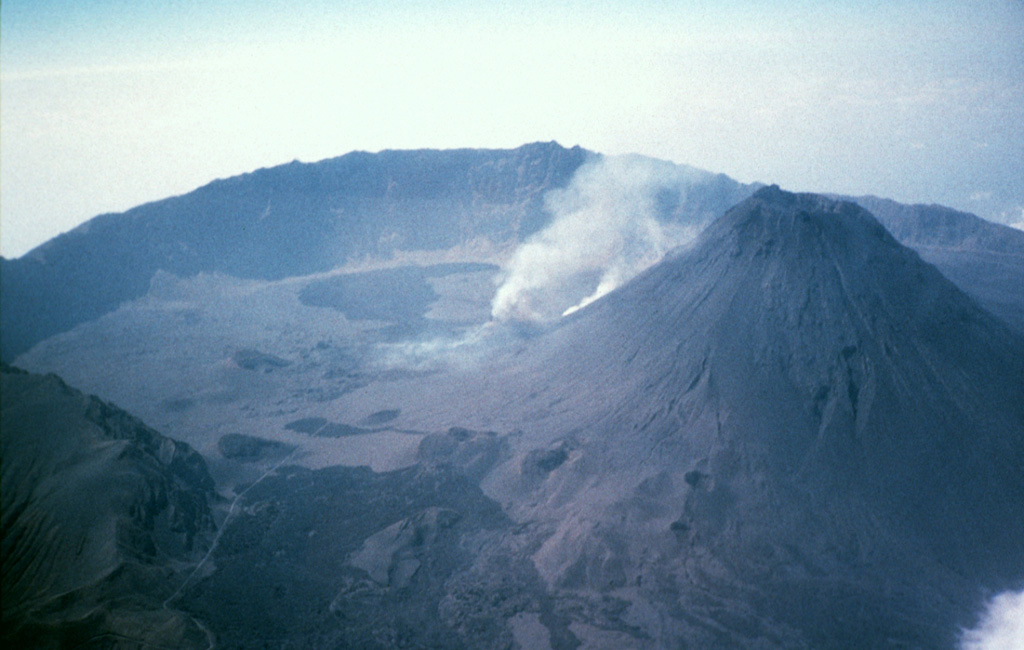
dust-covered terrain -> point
(541, 398)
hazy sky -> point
(110, 103)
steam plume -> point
(1001, 627)
(424, 355)
(608, 225)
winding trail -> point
(213, 546)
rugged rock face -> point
(346, 557)
(99, 512)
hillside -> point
(101, 515)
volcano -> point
(792, 433)
(797, 412)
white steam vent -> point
(607, 226)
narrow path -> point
(213, 546)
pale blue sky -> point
(110, 103)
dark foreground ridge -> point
(100, 513)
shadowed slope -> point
(984, 259)
(98, 511)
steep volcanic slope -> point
(984, 259)
(794, 433)
(100, 513)
(288, 220)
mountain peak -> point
(808, 296)
(796, 347)
(774, 216)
